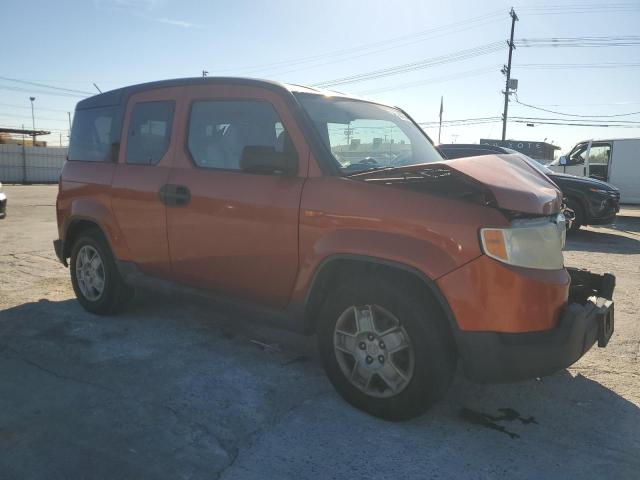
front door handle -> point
(174, 195)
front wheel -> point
(386, 350)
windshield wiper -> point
(367, 170)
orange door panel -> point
(238, 233)
(136, 203)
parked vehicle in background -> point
(401, 262)
(3, 203)
(587, 201)
(616, 161)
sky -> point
(112, 43)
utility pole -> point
(348, 132)
(33, 120)
(205, 73)
(440, 127)
(507, 71)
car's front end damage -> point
(490, 356)
(517, 312)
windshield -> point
(534, 163)
(365, 136)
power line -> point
(575, 42)
(588, 104)
(574, 114)
(44, 85)
(408, 67)
(621, 122)
(39, 108)
(489, 17)
(29, 117)
(386, 44)
(576, 124)
(41, 92)
(456, 76)
(576, 65)
(579, 6)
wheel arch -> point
(78, 225)
(338, 266)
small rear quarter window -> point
(93, 132)
(149, 132)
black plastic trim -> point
(433, 287)
(58, 246)
(505, 357)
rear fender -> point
(93, 210)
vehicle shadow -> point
(81, 392)
(627, 224)
(602, 241)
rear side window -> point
(93, 132)
(149, 132)
(219, 131)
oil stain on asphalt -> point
(490, 421)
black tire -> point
(116, 292)
(579, 215)
(425, 325)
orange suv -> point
(337, 216)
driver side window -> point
(368, 142)
(577, 156)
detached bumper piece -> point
(506, 357)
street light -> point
(33, 120)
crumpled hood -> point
(514, 184)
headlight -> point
(602, 191)
(530, 243)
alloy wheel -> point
(90, 273)
(373, 350)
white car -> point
(3, 203)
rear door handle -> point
(174, 195)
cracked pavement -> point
(174, 388)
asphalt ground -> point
(174, 388)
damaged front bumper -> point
(588, 318)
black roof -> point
(120, 95)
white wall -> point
(20, 164)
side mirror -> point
(266, 160)
(562, 160)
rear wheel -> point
(574, 209)
(94, 276)
(385, 349)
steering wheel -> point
(368, 161)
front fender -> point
(429, 258)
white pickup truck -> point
(616, 161)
